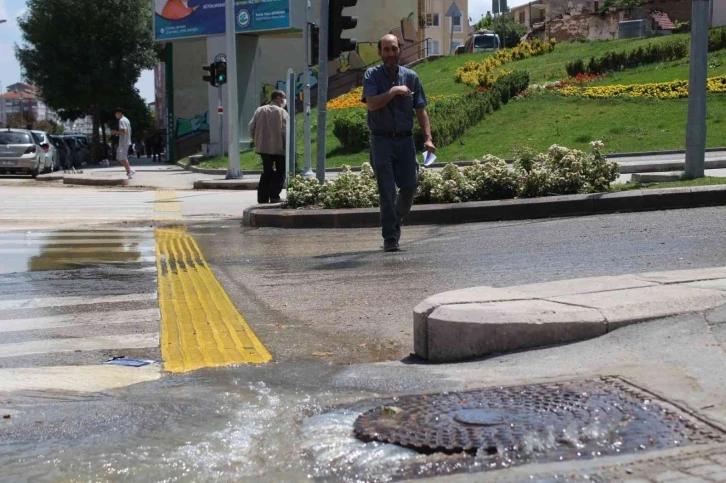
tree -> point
(20, 121)
(82, 54)
(514, 30)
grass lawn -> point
(705, 181)
(624, 125)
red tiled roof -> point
(11, 96)
(663, 21)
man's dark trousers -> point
(271, 181)
(394, 162)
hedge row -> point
(667, 51)
(450, 117)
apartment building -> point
(445, 33)
(21, 98)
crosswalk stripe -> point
(35, 303)
(75, 378)
(131, 341)
(75, 319)
(73, 243)
(144, 249)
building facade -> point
(21, 98)
(718, 13)
(444, 33)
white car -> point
(20, 152)
(52, 161)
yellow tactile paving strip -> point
(200, 326)
(166, 206)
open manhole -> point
(541, 422)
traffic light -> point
(220, 73)
(314, 44)
(338, 23)
(212, 77)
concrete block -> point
(463, 296)
(623, 201)
(683, 276)
(354, 218)
(89, 181)
(630, 306)
(708, 196)
(226, 184)
(665, 177)
(457, 332)
(666, 198)
(430, 214)
(583, 285)
(716, 284)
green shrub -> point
(619, 60)
(349, 190)
(303, 192)
(450, 117)
(351, 128)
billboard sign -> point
(181, 19)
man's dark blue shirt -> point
(397, 115)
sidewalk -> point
(479, 321)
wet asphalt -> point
(327, 304)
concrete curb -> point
(501, 210)
(226, 184)
(90, 181)
(664, 177)
(58, 176)
(480, 321)
(718, 163)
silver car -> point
(52, 161)
(20, 152)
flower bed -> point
(450, 116)
(664, 90)
(483, 74)
(557, 172)
(352, 100)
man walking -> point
(124, 141)
(392, 94)
(268, 130)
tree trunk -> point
(97, 153)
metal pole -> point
(451, 40)
(234, 171)
(290, 141)
(696, 127)
(322, 87)
(308, 169)
(221, 125)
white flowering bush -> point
(302, 192)
(558, 171)
(491, 179)
(349, 190)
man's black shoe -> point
(391, 246)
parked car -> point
(80, 153)
(482, 41)
(20, 152)
(51, 153)
(65, 155)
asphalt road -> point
(335, 291)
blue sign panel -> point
(180, 19)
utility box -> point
(632, 29)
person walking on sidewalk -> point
(124, 141)
(392, 93)
(157, 144)
(268, 130)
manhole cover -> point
(560, 420)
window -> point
(15, 138)
(434, 47)
(454, 45)
(457, 23)
(521, 18)
(432, 19)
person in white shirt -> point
(124, 141)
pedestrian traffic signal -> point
(212, 77)
(314, 35)
(338, 22)
(220, 72)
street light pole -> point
(307, 170)
(322, 86)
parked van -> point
(482, 41)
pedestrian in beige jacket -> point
(268, 130)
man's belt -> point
(393, 135)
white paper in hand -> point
(429, 158)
